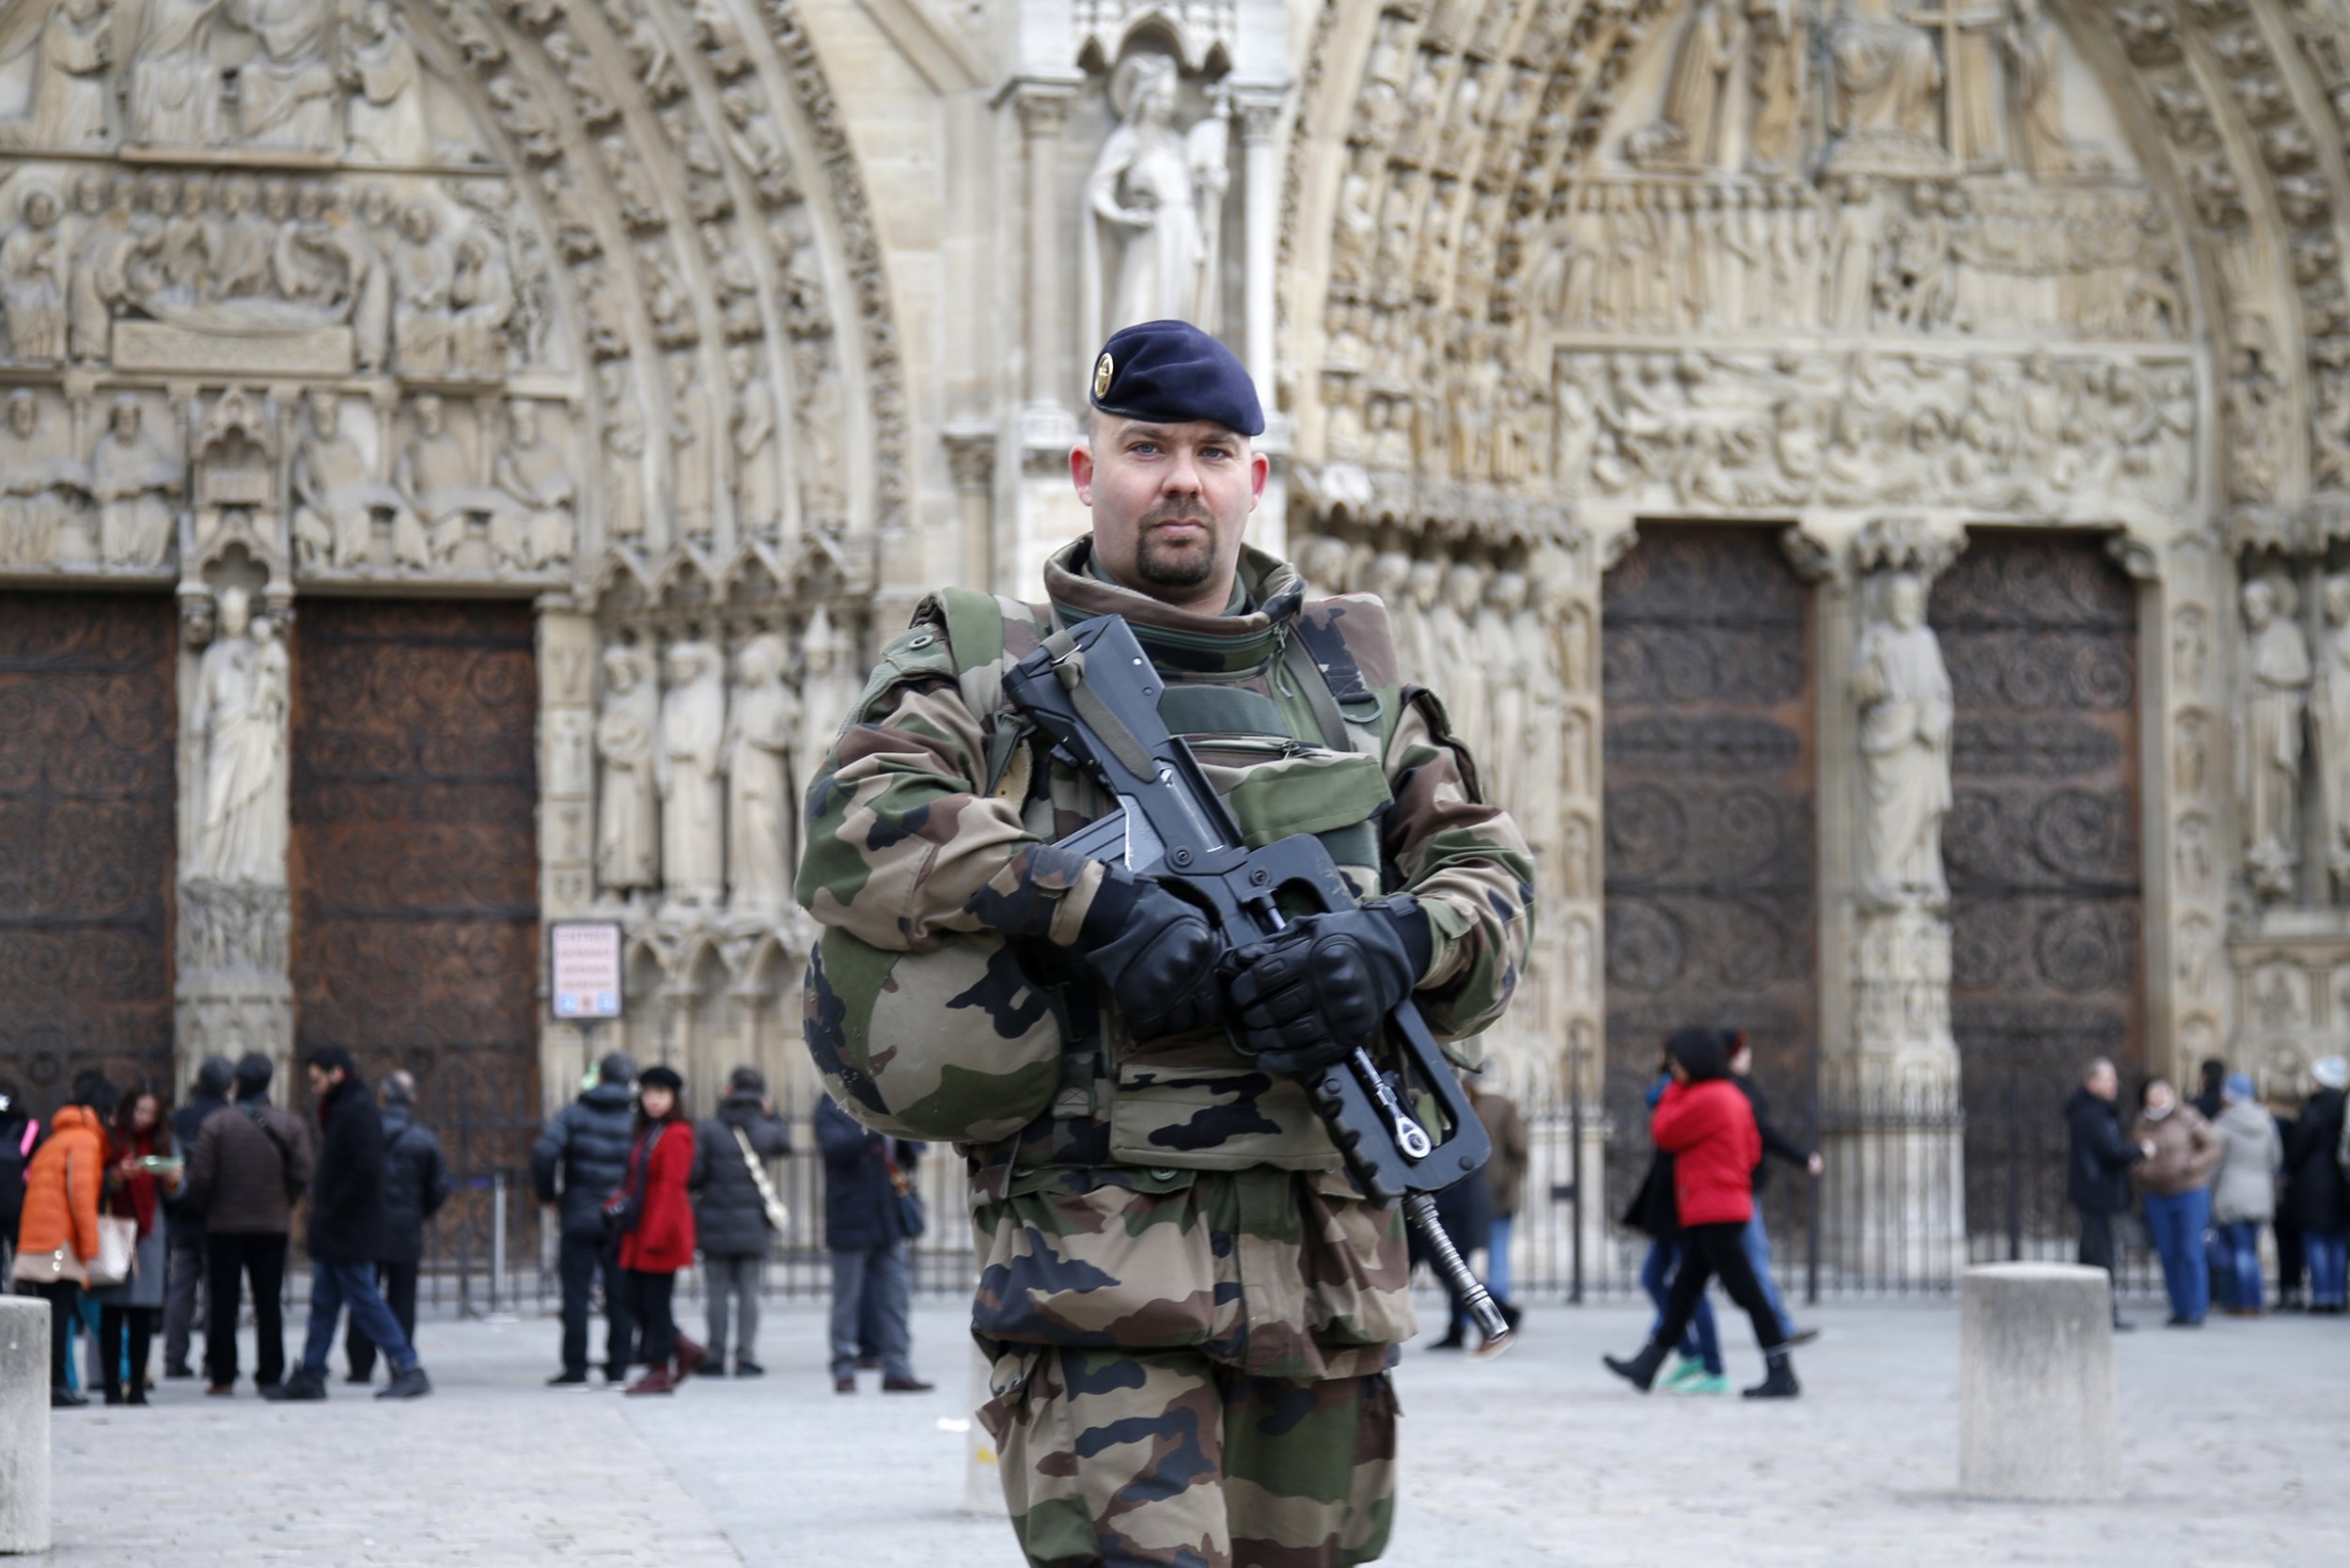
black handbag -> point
(625, 1208)
(912, 1218)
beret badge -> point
(1104, 368)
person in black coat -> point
(1776, 1145)
(348, 1225)
(17, 1137)
(416, 1184)
(2315, 1189)
(184, 1226)
(730, 1215)
(2097, 1166)
(578, 1162)
(867, 1178)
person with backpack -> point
(731, 1152)
(251, 1163)
(2317, 1189)
(416, 1185)
(576, 1166)
(184, 1222)
(56, 1237)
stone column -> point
(566, 656)
(971, 458)
(1043, 110)
(1260, 174)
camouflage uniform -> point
(1190, 1307)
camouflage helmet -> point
(951, 1043)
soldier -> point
(1189, 1307)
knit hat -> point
(660, 1078)
(2239, 1085)
(2331, 1073)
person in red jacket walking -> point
(1708, 1127)
(654, 1217)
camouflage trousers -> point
(1168, 1459)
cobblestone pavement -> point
(2235, 1441)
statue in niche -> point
(537, 478)
(690, 454)
(686, 766)
(240, 715)
(286, 93)
(628, 814)
(1687, 131)
(33, 267)
(99, 279)
(424, 273)
(337, 497)
(1781, 34)
(2332, 692)
(136, 480)
(824, 462)
(434, 477)
(2277, 664)
(1460, 652)
(174, 97)
(69, 79)
(353, 246)
(242, 241)
(761, 723)
(1904, 691)
(2035, 52)
(1887, 78)
(482, 295)
(1506, 663)
(41, 486)
(1153, 203)
(387, 110)
(623, 452)
(828, 683)
(758, 484)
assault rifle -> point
(1095, 695)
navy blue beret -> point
(1170, 373)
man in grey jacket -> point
(730, 1215)
(578, 1162)
(252, 1159)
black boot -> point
(1640, 1371)
(1780, 1381)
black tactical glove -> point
(1156, 955)
(1307, 996)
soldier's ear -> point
(1081, 471)
(1260, 468)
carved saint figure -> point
(537, 478)
(690, 453)
(1151, 202)
(1781, 30)
(1459, 653)
(2333, 726)
(434, 477)
(628, 814)
(134, 478)
(286, 91)
(33, 281)
(623, 489)
(337, 497)
(1687, 128)
(758, 481)
(2277, 665)
(1887, 78)
(388, 106)
(1905, 712)
(686, 766)
(828, 686)
(2035, 55)
(175, 90)
(40, 487)
(761, 723)
(69, 85)
(823, 463)
(424, 273)
(240, 715)
(482, 297)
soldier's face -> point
(1171, 503)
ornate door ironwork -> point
(1707, 680)
(415, 863)
(89, 728)
(2040, 631)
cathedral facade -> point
(1872, 479)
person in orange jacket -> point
(1708, 1127)
(57, 1236)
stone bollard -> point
(24, 1424)
(2036, 1416)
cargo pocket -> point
(1358, 1274)
(1111, 1266)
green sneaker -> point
(1689, 1369)
(1704, 1383)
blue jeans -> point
(1757, 1244)
(1497, 1257)
(2177, 1222)
(2235, 1257)
(334, 1286)
(2326, 1250)
(877, 1276)
(1698, 1339)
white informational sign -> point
(585, 956)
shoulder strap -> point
(1297, 655)
(260, 1120)
(977, 626)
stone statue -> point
(33, 281)
(1781, 33)
(355, 243)
(536, 477)
(1905, 713)
(2333, 726)
(623, 453)
(828, 686)
(100, 280)
(434, 477)
(628, 815)
(758, 477)
(1153, 197)
(1687, 128)
(387, 110)
(424, 272)
(336, 494)
(823, 462)
(1507, 666)
(174, 99)
(1414, 618)
(241, 242)
(691, 485)
(134, 478)
(239, 713)
(2277, 666)
(1887, 78)
(69, 85)
(41, 486)
(761, 723)
(286, 92)
(482, 296)
(686, 765)
(2035, 55)
(1460, 654)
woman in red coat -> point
(655, 1220)
(1708, 1127)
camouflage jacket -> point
(923, 826)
